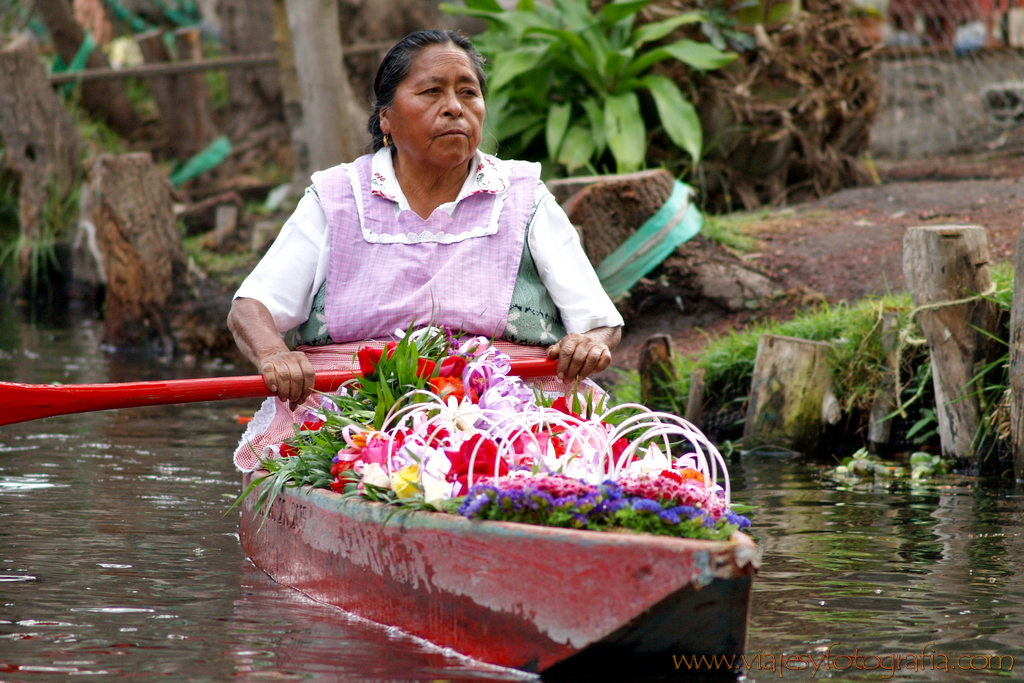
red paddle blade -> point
(23, 402)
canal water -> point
(119, 559)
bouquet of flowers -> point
(438, 423)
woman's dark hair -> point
(397, 64)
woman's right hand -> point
(288, 374)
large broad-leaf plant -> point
(574, 78)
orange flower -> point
(690, 473)
(448, 387)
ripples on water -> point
(117, 560)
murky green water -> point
(117, 560)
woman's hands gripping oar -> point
(23, 402)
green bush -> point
(575, 79)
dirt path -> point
(848, 246)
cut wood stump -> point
(791, 379)
(1017, 362)
(40, 144)
(946, 270)
(607, 210)
(141, 246)
(657, 374)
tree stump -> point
(181, 98)
(657, 374)
(141, 246)
(1017, 362)
(105, 99)
(41, 145)
(790, 383)
(944, 264)
(608, 209)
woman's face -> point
(438, 111)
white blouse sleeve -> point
(566, 271)
(294, 268)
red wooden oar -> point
(23, 402)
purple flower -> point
(611, 490)
(687, 510)
(669, 517)
(739, 520)
(646, 505)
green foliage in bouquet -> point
(577, 77)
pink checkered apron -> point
(386, 272)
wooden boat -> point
(561, 602)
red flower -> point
(369, 357)
(288, 450)
(483, 463)
(451, 366)
(562, 406)
(437, 436)
(311, 425)
(341, 466)
(669, 474)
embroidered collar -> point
(490, 175)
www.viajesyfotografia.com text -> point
(780, 663)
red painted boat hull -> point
(534, 598)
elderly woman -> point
(426, 229)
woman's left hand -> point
(582, 354)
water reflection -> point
(117, 559)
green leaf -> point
(615, 61)
(558, 123)
(577, 148)
(583, 51)
(627, 135)
(657, 30)
(595, 115)
(524, 6)
(700, 55)
(617, 11)
(508, 65)
(486, 5)
(509, 126)
(697, 55)
(678, 116)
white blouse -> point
(295, 267)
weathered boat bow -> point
(534, 598)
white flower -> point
(376, 475)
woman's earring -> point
(387, 140)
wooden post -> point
(880, 428)
(1017, 362)
(142, 252)
(791, 380)
(181, 98)
(695, 400)
(944, 264)
(41, 145)
(657, 374)
(332, 121)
